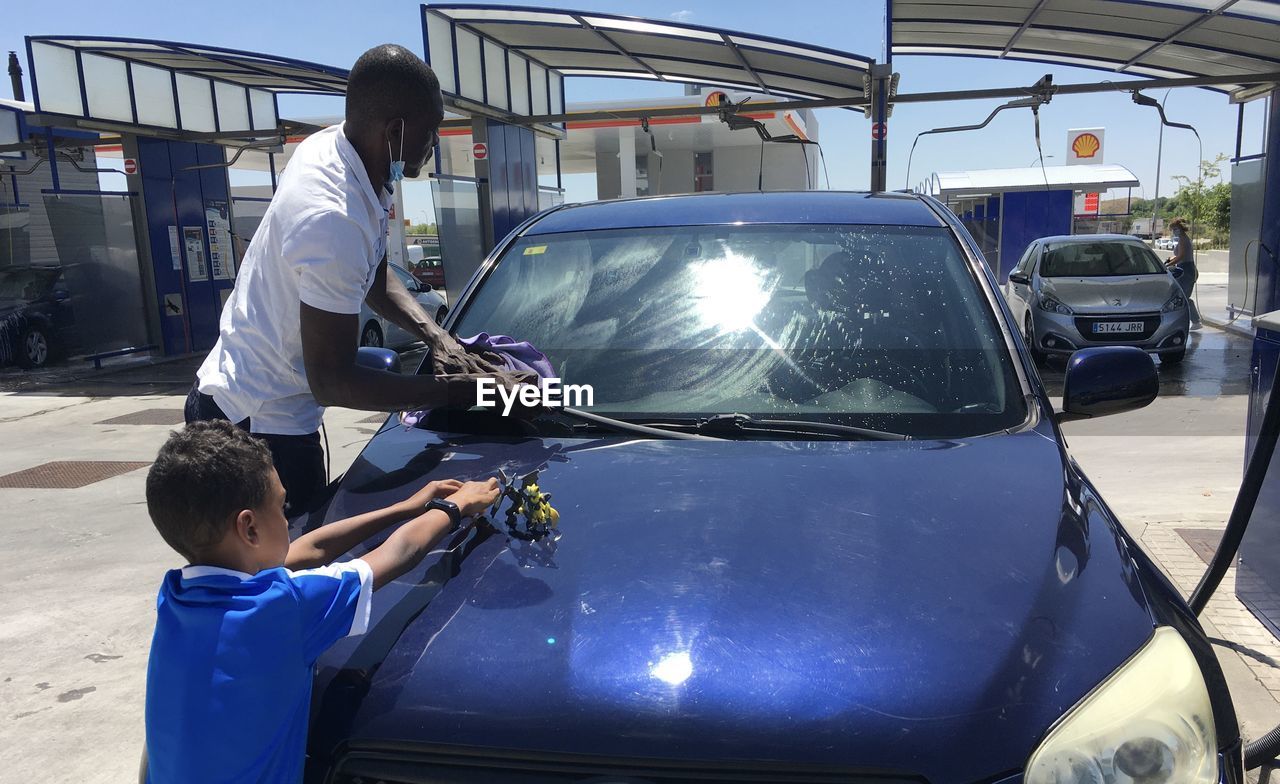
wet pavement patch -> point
(1202, 541)
(147, 416)
(68, 474)
(75, 694)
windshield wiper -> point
(623, 426)
(728, 424)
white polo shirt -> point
(320, 242)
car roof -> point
(715, 209)
(1063, 239)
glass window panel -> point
(440, 56)
(518, 74)
(153, 94)
(264, 109)
(538, 85)
(557, 93)
(195, 103)
(469, 73)
(55, 70)
(233, 110)
(107, 85)
(495, 74)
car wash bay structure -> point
(502, 70)
(1006, 209)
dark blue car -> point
(819, 524)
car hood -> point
(1132, 294)
(921, 607)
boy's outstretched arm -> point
(412, 541)
(321, 546)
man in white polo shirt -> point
(289, 331)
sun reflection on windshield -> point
(729, 292)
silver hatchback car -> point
(1073, 292)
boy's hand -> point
(442, 488)
(473, 498)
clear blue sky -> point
(336, 33)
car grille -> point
(474, 767)
(1150, 323)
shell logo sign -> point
(1086, 145)
(717, 98)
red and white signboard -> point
(480, 151)
(878, 131)
(1091, 203)
(130, 166)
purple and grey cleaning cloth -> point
(516, 355)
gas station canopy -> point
(1170, 38)
(167, 86)
(1087, 177)
(593, 44)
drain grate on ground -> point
(147, 416)
(68, 474)
(377, 419)
(1202, 541)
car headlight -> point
(1175, 302)
(1053, 306)
(1150, 721)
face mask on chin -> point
(396, 172)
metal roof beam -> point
(1031, 17)
(1085, 88)
(1172, 37)
(617, 47)
(742, 60)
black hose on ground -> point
(1262, 750)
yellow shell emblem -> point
(1086, 145)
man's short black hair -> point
(204, 475)
(389, 81)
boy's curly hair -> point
(203, 476)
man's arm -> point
(329, 343)
(390, 299)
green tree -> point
(422, 228)
(1206, 204)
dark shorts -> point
(299, 460)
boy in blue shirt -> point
(238, 631)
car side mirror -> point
(378, 359)
(424, 287)
(1176, 272)
(1019, 277)
(1107, 380)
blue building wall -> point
(1027, 216)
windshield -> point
(1099, 260)
(881, 327)
(26, 284)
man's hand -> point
(442, 488)
(473, 498)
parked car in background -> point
(1073, 292)
(377, 331)
(429, 270)
(37, 322)
(878, 563)
(1165, 243)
